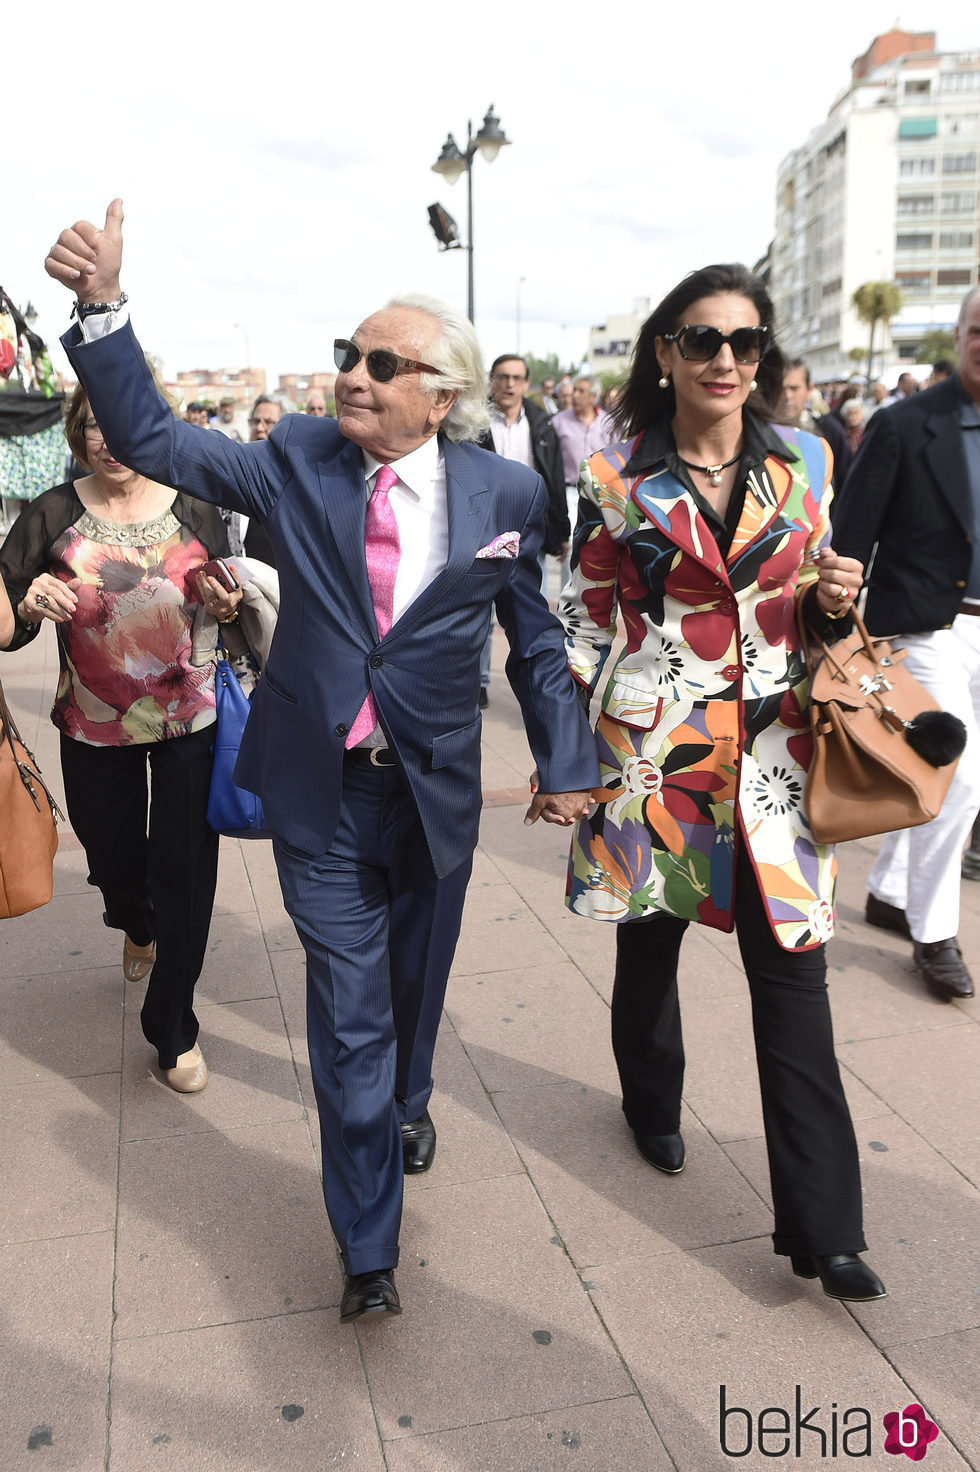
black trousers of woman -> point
(813, 1159)
(157, 882)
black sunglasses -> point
(699, 344)
(382, 363)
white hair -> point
(966, 304)
(456, 352)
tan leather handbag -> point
(884, 753)
(28, 824)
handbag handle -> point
(28, 777)
(806, 639)
(10, 730)
(886, 712)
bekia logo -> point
(909, 1431)
(816, 1432)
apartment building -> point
(885, 189)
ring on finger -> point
(41, 599)
(843, 594)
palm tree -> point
(938, 342)
(874, 302)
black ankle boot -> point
(666, 1152)
(843, 1276)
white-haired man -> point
(394, 536)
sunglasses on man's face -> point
(382, 363)
(699, 344)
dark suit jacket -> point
(307, 483)
(547, 462)
(908, 495)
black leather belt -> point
(973, 608)
(371, 756)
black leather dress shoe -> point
(418, 1144)
(886, 917)
(369, 1293)
(942, 968)
(666, 1152)
(843, 1276)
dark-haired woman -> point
(706, 527)
(110, 561)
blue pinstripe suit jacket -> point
(307, 484)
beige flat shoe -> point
(138, 960)
(189, 1074)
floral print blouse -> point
(126, 672)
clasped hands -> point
(564, 808)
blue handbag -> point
(232, 810)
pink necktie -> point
(382, 550)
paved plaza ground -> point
(170, 1288)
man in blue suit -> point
(364, 738)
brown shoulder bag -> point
(884, 753)
(28, 824)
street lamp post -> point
(517, 341)
(248, 360)
(451, 163)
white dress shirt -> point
(512, 440)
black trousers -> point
(158, 879)
(813, 1160)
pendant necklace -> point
(713, 472)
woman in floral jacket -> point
(706, 529)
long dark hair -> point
(643, 401)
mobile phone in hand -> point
(219, 569)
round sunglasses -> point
(699, 344)
(382, 363)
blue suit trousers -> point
(379, 930)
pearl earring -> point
(752, 386)
(665, 381)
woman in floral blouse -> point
(705, 529)
(110, 561)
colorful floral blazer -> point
(704, 729)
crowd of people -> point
(707, 507)
(229, 418)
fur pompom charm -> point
(937, 736)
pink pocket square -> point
(508, 544)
